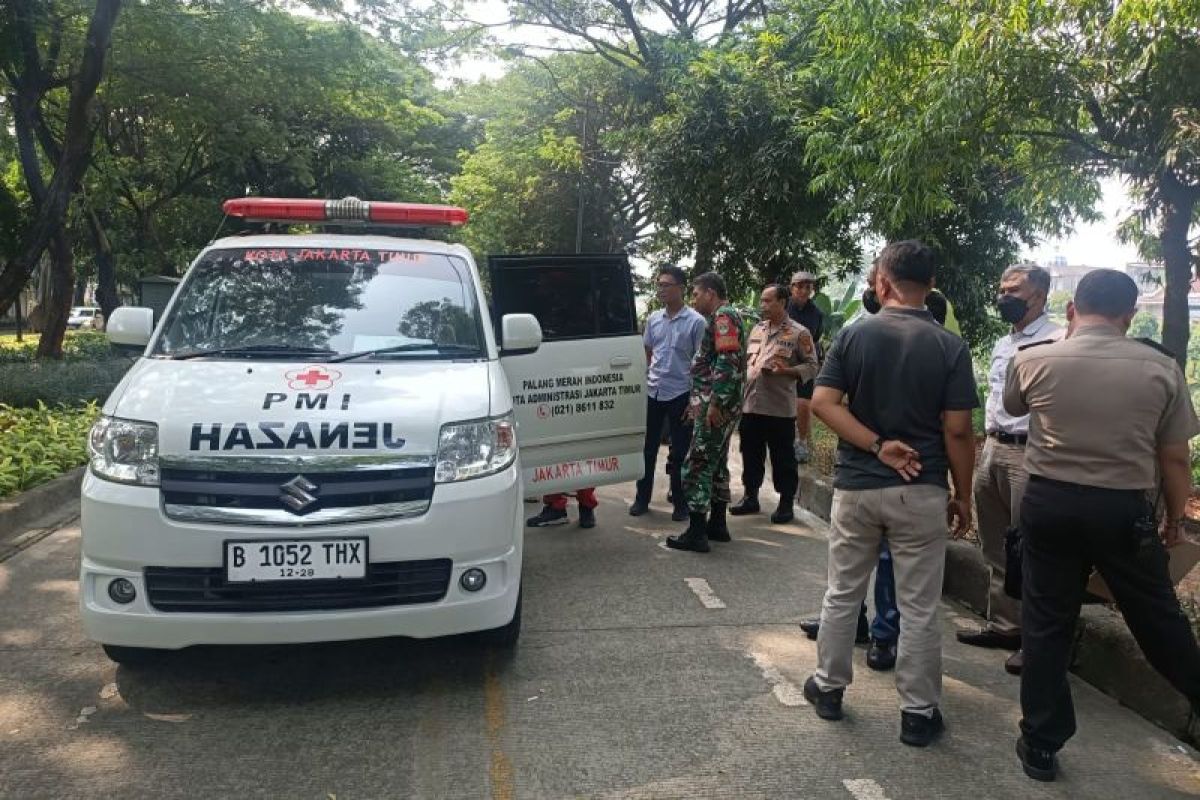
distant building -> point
(1065, 277)
(1148, 277)
(1152, 303)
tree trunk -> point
(705, 254)
(51, 213)
(79, 296)
(1178, 202)
(106, 266)
(58, 306)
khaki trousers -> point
(999, 486)
(914, 520)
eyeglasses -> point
(666, 285)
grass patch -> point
(39, 444)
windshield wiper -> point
(410, 348)
(255, 350)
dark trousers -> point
(760, 434)
(1067, 529)
(670, 413)
(886, 626)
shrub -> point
(77, 346)
(37, 444)
(55, 383)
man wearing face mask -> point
(1110, 418)
(1000, 476)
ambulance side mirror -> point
(520, 334)
(131, 327)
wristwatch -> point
(877, 445)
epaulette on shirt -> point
(1035, 344)
(1157, 347)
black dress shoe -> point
(918, 730)
(985, 637)
(749, 505)
(828, 705)
(812, 627)
(881, 656)
(1015, 663)
(1038, 764)
(785, 513)
(638, 508)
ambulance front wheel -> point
(133, 657)
(506, 636)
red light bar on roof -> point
(350, 209)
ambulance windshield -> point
(282, 303)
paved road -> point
(633, 680)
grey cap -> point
(804, 276)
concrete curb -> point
(1105, 656)
(24, 515)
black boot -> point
(694, 538)
(749, 504)
(785, 512)
(718, 529)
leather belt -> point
(1009, 438)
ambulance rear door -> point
(580, 400)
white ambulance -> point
(329, 435)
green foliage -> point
(1057, 302)
(551, 142)
(40, 443)
(78, 346)
(26, 385)
(836, 316)
(1145, 326)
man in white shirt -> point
(1000, 476)
(672, 337)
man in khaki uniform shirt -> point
(780, 352)
(1107, 414)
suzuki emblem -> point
(298, 493)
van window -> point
(344, 300)
(570, 302)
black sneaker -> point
(881, 656)
(548, 517)
(828, 705)
(638, 508)
(918, 730)
(1038, 764)
(587, 517)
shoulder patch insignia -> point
(1157, 346)
(1035, 344)
(725, 334)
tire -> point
(133, 657)
(505, 637)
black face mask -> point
(1012, 309)
(870, 301)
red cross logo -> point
(312, 377)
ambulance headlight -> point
(124, 451)
(474, 449)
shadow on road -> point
(207, 677)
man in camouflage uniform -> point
(718, 378)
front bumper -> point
(475, 523)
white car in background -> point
(330, 435)
(82, 316)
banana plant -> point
(836, 316)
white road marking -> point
(783, 689)
(702, 590)
(864, 789)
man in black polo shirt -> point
(802, 309)
(911, 390)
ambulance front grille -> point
(389, 583)
(295, 498)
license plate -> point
(295, 560)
